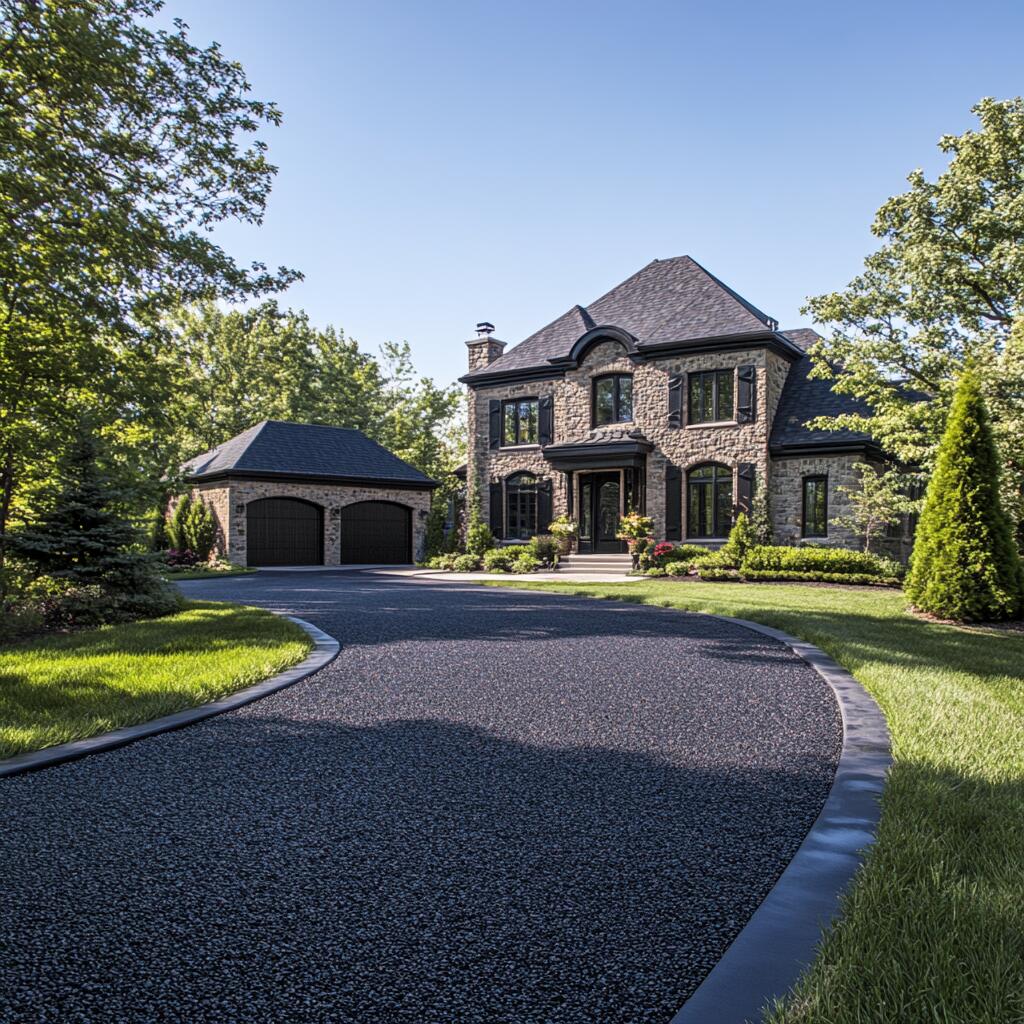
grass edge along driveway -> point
(60, 688)
(933, 927)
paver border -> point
(781, 939)
(325, 650)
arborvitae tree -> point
(199, 530)
(742, 537)
(177, 528)
(965, 564)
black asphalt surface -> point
(494, 806)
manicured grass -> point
(933, 928)
(67, 687)
(206, 574)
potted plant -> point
(636, 530)
(565, 530)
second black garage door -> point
(284, 531)
(376, 533)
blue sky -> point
(443, 163)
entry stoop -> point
(598, 564)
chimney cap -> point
(484, 328)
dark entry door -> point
(599, 513)
(284, 531)
(376, 533)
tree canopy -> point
(121, 147)
(944, 289)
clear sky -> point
(443, 163)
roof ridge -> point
(767, 320)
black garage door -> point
(376, 533)
(285, 531)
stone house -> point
(305, 494)
(671, 395)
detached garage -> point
(302, 494)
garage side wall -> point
(227, 503)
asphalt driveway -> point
(493, 806)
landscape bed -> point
(68, 687)
(936, 915)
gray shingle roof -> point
(277, 448)
(804, 398)
(674, 300)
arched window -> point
(709, 501)
(521, 502)
(613, 399)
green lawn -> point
(933, 928)
(68, 687)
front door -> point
(600, 505)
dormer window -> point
(613, 399)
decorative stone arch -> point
(595, 336)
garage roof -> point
(278, 449)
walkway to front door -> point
(600, 508)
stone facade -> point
(728, 443)
(227, 500)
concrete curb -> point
(325, 650)
(781, 939)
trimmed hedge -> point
(834, 561)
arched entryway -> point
(376, 533)
(284, 531)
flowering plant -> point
(633, 527)
(564, 530)
(666, 547)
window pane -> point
(707, 396)
(723, 502)
(816, 507)
(604, 400)
(693, 511)
(625, 399)
(529, 435)
(508, 433)
(724, 410)
(585, 500)
(696, 412)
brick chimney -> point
(484, 348)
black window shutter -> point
(544, 516)
(745, 490)
(673, 503)
(495, 411)
(676, 388)
(497, 518)
(546, 419)
(746, 404)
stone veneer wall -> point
(786, 496)
(224, 498)
(685, 447)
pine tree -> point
(965, 564)
(82, 535)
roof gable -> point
(278, 448)
(674, 300)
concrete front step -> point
(595, 563)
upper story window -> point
(519, 419)
(711, 396)
(613, 399)
(709, 501)
(815, 502)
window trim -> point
(512, 486)
(804, 481)
(717, 419)
(505, 402)
(718, 531)
(616, 399)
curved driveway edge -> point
(780, 941)
(325, 650)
